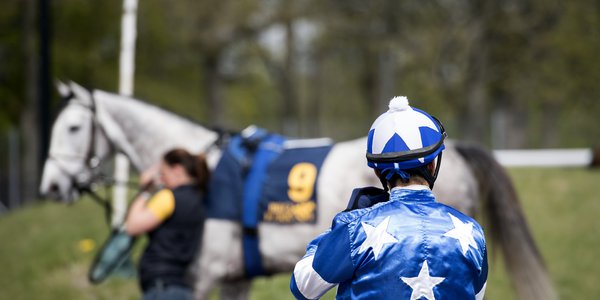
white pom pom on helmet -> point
(404, 138)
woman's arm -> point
(140, 219)
(145, 215)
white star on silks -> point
(463, 232)
(423, 284)
(376, 237)
(411, 135)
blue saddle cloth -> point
(264, 177)
(280, 174)
(290, 190)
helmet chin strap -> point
(437, 169)
(383, 182)
(431, 178)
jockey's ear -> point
(81, 94)
(431, 167)
(377, 173)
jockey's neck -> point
(414, 180)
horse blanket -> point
(265, 177)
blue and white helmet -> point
(404, 138)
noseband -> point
(91, 159)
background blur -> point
(508, 74)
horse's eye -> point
(74, 128)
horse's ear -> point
(81, 94)
(63, 89)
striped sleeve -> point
(326, 264)
(481, 283)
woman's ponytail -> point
(202, 172)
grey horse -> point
(94, 125)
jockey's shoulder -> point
(461, 216)
(362, 201)
(347, 217)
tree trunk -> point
(518, 127)
(551, 114)
(213, 88)
(474, 116)
(315, 96)
(30, 119)
(387, 78)
(369, 81)
(290, 109)
(509, 123)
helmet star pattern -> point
(404, 125)
(402, 129)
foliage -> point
(41, 258)
(11, 70)
(501, 73)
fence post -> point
(126, 72)
(3, 186)
(14, 169)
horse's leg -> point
(236, 290)
(220, 256)
(203, 287)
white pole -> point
(126, 73)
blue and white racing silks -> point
(410, 247)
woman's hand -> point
(150, 178)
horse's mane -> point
(221, 130)
(217, 128)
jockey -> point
(406, 246)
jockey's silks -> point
(410, 247)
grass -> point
(41, 255)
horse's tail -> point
(508, 226)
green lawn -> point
(41, 257)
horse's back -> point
(344, 169)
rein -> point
(93, 161)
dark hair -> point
(194, 165)
(421, 172)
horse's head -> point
(77, 146)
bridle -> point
(91, 162)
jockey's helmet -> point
(403, 141)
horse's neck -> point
(145, 132)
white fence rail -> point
(545, 157)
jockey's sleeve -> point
(481, 283)
(162, 204)
(327, 263)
